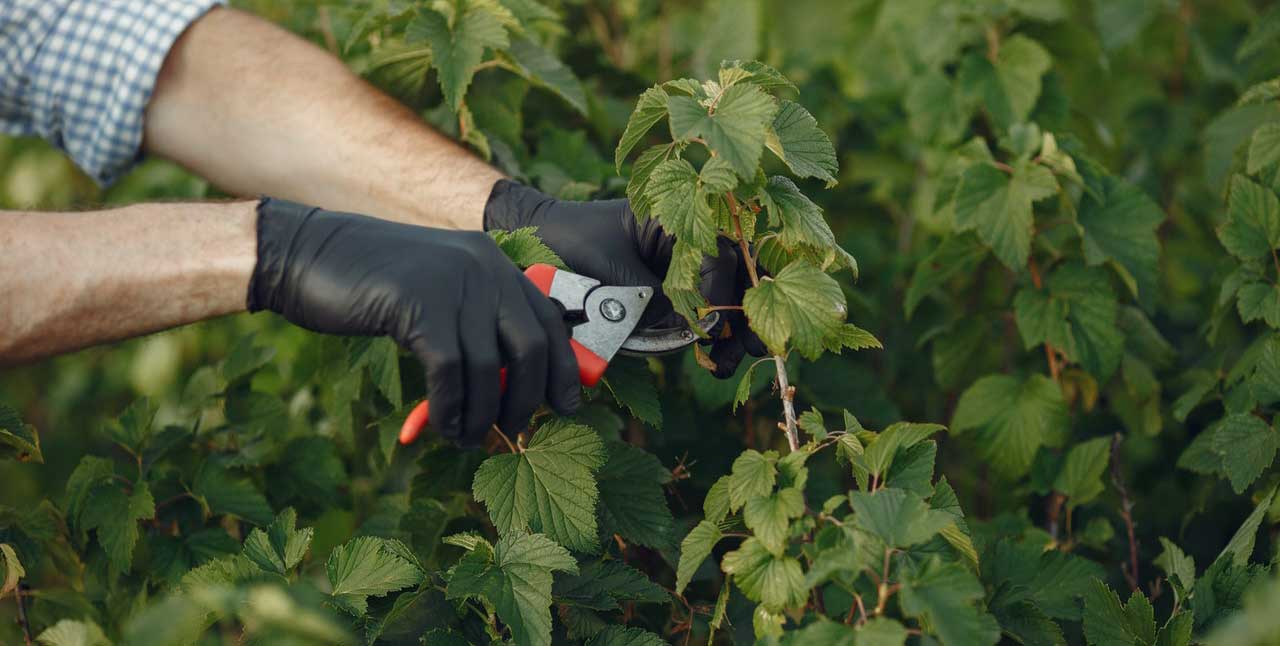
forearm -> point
(71, 280)
(257, 110)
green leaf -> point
(549, 487)
(734, 127)
(681, 206)
(132, 430)
(694, 549)
(753, 476)
(801, 306)
(1247, 446)
(608, 582)
(368, 567)
(630, 382)
(69, 632)
(632, 501)
(18, 441)
(798, 141)
(1179, 568)
(623, 636)
(382, 356)
(1051, 580)
(957, 255)
(1240, 548)
(717, 177)
(1118, 223)
(1081, 476)
(1010, 87)
(87, 475)
(801, 220)
(1264, 148)
(641, 171)
(760, 74)
(11, 568)
(898, 436)
(524, 248)
(897, 517)
(1262, 34)
(1252, 228)
(1013, 419)
(1259, 301)
(223, 493)
(515, 576)
(115, 514)
(880, 631)
(946, 595)
(775, 581)
(769, 517)
(649, 110)
(458, 41)
(998, 206)
(1107, 623)
(282, 547)
(545, 70)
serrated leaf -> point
(899, 435)
(515, 576)
(801, 305)
(753, 476)
(630, 382)
(641, 171)
(649, 110)
(458, 41)
(70, 632)
(998, 206)
(715, 507)
(549, 487)
(694, 549)
(717, 176)
(382, 356)
(1009, 87)
(368, 567)
(1252, 228)
(897, 517)
(131, 431)
(1257, 301)
(224, 493)
(734, 127)
(608, 582)
(1107, 623)
(1118, 223)
(18, 441)
(1240, 547)
(956, 256)
(281, 547)
(1264, 148)
(545, 70)
(681, 206)
(1081, 476)
(1247, 446)
(777, 582)
(801, 220)
(946, 595)
(1262, 34)
(632, 501)
(760, 74)
(115, 515)
(1179, 568)
(623, 636)
(798, 141)
(525, 248)
(769, 517)
(1013, 419)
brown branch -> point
(22, 613)
(1050, 353)
(1053, 510)
(785, 390)
(1130, 571)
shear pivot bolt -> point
(613, 309)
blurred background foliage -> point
(1142, 84)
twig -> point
(1126, 513)
(1053, 509)
(505, 439)
(22, 613)
(1049, 351)
(786, 392)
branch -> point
(22, 613)
(1130, 571)
(785, 391)
(1050, 352)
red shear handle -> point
(591, 366)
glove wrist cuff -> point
(277, 224)
(512, 206)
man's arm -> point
(257, 110)
(73, 280)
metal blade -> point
(664, 340)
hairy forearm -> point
(71, 280)
(257, 110)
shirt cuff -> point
(98, 69)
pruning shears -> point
(603, 319)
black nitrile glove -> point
(603, 240)
(450, 297)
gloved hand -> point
(603, 240)
(450, 297)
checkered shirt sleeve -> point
(79, 73)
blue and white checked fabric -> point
(80, 73)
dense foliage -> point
(1065, 218)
